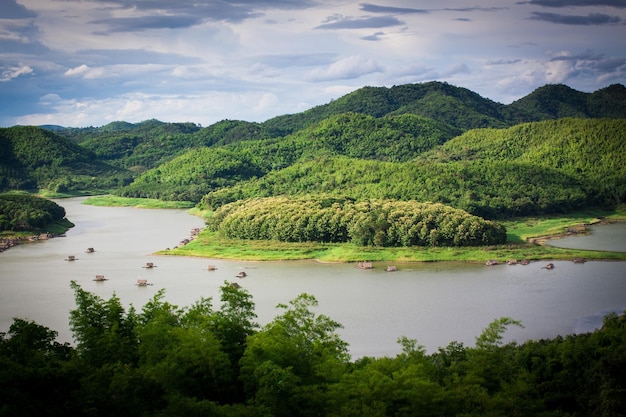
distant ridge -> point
(557, 101)
(462, 108)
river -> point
(434, 303)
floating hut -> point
(579, 260)
(241, 274)
(391, 268)
(99, 278)
(491, 262)
(211, 268)
(235, 285)
(525, 262)
(71, 258)
(142, 283)
(365, 265)
(548, 266)
(511, 262)
(90, 250)
(149, 265)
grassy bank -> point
(524, 242)
(525, 238)
(212, 245)
(151, 203)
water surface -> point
(434, 303)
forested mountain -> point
(427, 142)
(559, 101)
(201, 170)
(32, 158)
(542, 167)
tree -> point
(289, 362)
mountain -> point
(405, 129)
(558, 101)
(32, 158)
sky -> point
(91, 62)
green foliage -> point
(325, 218)
(535, 168)
(19, 211)
(183, 364)
(31, 158)
(558, 101)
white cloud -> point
(82, 69)
(14, 72)
(346, 68)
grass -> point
(520, 245)
(212, 245)
(152, 203)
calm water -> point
(433, 303)
(611, 237)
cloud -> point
(590, 19)
(14, 72)
(165, 14)
(374, 36)
(138, 24)
(12, 10)
(296, 60)
(346, 68)
(372, 8)
(82, 69)
(578, 3)
(361, 23)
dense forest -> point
(24, 212)
(200, 360)
(365, 223)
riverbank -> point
(212, 245)
(526, 238)
(9, 239)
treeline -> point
(164, 360)
(325, 218)
(26, 212)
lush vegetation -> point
(535, 168)
(19, 212)
(366, 223)
(148, 203)
(32, 158)
(164, 360)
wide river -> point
(435, 303)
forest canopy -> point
(26, 212)
(326, 218)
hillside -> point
(33, 158)
(150, 143)
(430, 142)
(535, 168)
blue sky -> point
(90, 62)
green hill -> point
(34, 158)
(201, 170)
(534, 168)
(559, 101)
